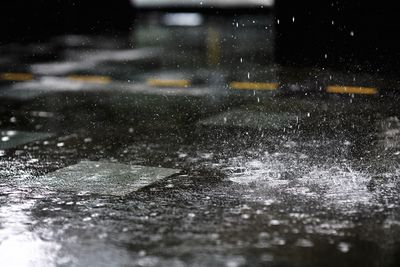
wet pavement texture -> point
(157, 164)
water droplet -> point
(245, 216)
(268, 202)
(87, 219)
(344, 247)
(142, 253)
(169, 186)
(103, 235)
(267, 257)
(274, 222)
(264, 235)
(11, 133)
(305, 243)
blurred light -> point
(183, 19)
(202, 3)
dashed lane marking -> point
(91, 79)
(13, 76)
(168, 83)
(338, 89)
(253, 86)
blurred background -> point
(360, 34)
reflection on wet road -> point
(126, 161)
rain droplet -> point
(347, 143)
(274, 222)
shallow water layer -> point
(246, 177)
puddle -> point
(12, 139)
(104, 178)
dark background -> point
(311, 40)
(37, 20)
(375, 46)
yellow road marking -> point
(253, 86)
(90, 79)
(12, 76)
(337, 89)
(213, 47)
(168, 83)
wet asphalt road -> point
(228, 177)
